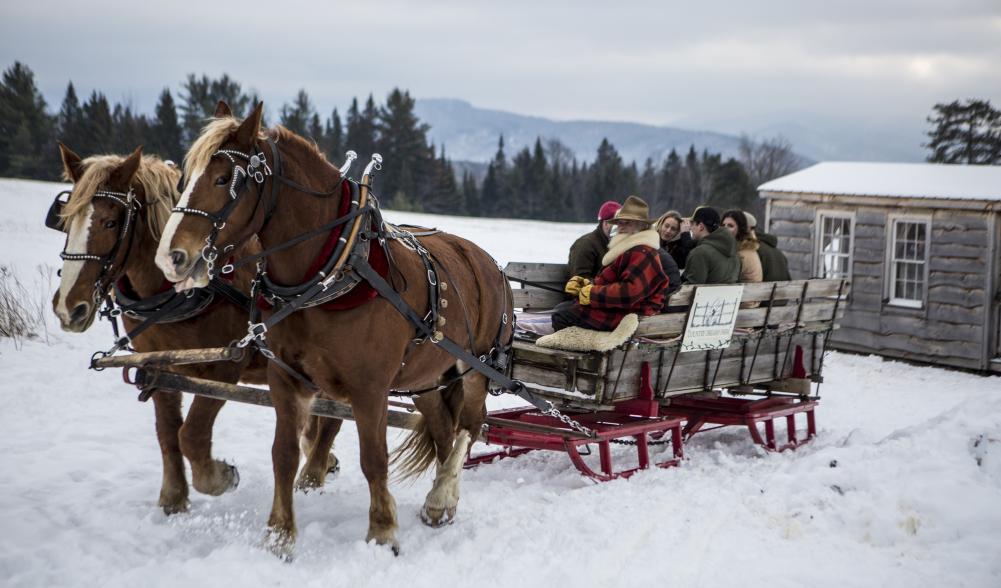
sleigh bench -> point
(765, 375)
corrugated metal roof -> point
(908, 180)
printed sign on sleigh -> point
(712, 318)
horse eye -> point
(110, 224)
(221, 181)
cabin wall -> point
(954, 327)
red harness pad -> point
(361, 293)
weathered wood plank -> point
(906, 347)
(959, 279)
(948, 232)
(535, 299)
(959, 250)
(538, 272)
(951, 313)
(956, 295)
(790, 229)
(173, 357)
(747, 318)
(261, 397)
(956, 264)
(783, 212)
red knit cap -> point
(608, 210)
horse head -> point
(220, 207)
(101, 219)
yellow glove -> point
(585, 294)
(575, 284)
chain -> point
(625, 442)
(555, 412)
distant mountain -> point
(471, 133)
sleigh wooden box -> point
(777, 346)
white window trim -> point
(818, 237)
(891, 235)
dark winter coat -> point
(714, 260)
(671, 271)
(680, 248)
(586, 254)
(632, 282)
(774, 264)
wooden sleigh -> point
(646, 392)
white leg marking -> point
(76, 243)
(444, 495)
(163, 260)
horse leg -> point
(174, 489)
(370, 412)
(443, 499)
(291, 403)
(316, 443)
(208, 476)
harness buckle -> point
(254, 331)
(432, 278)
(115, 312)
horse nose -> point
(179, 258)
(80, 313)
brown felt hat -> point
(634, 209)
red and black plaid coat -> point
(634, 282)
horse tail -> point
(418, 451)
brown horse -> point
(354, 355)
(114, 218)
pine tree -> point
(691, 183)
(99, 127)
(334, 133)
(668, 190)
(201, 96)
(648, 186)
(70, 122)
(402, 142)
(605, 179)
(495, 185)
(27, 145)
(967, 132)
(297, 116)
(446, 197)
(360, 132)
(470, 194)
(731, 187)
(128, 130)
(166, 132)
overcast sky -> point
(730, 65)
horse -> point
(356, 355)
(113, 219)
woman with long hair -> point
(674, 236)
(735, 221)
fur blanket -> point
(580, 339)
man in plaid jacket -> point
(631, 278)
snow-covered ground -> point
(889, 494)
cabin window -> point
(908, 261)
(834, 244)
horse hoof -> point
(175, 507)
(281, 544)
(335, 467)
(389, 542)
(234, 478)
(437, 517)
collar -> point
(622, 243)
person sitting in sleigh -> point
(631, 279)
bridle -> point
(257, 168)
(131, 204)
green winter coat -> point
(714, 260)
(774, 264)
(586, 254)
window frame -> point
(818, 241)
(891, 245)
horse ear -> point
(222, 110)
(123, 174)
(247, 133)
(72, 164)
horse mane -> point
(218, 130)
(158, 180)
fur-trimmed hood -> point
(622, 243)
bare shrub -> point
(23, 308)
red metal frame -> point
(636, 419)
(737, 411)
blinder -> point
(54, 219)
